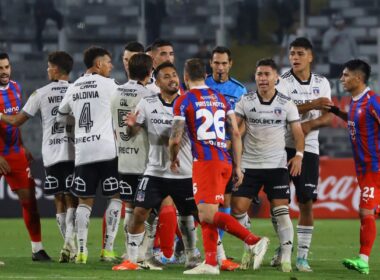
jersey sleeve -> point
(374, 108)
(292, 112)
(239, 108)
(140, 108)
(326, 89)
(180, 106)
(282, 87)
(32, 106)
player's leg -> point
(167, 223)
(226, 206)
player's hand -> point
(28, 155)
(130, 119)
(4, 166)
(322, 103)
(174, 165)
(237, 178)
(295, 165)
(334, 109)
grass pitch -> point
(333, 240)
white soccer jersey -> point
(57, 139)
(132, 151)
(89, 99)
(157, 117)
(264, 141)
(152, 85)
(303, 92)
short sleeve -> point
(239, 108)
(32, 106)
(292, 113)
(140, 108)
(180, 106)
(374, 108)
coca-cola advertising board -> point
(338, 192)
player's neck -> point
(303, 75)
(168, 97)
(61, 78)
(193, 84)
(267, 95)
(358, 91)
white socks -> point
(304, 235)
(245, 221)
(70, 229)
(113, 212)
(61, 222)
(134, 241)
(189, 235)
(285, 231)
(82, 222)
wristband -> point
(298, 153)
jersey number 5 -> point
(85, 117)
(203, 131)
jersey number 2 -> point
(209, 119)
(85, 117)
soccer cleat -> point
(228, 265)
(286, 267)
(276, 260)
(126, 265)
(108, 256)
(259, 250)
(357, 264)
(81, 258)
(192, 260)
(40, 256)
(151, 264)
(246, 260)
(203, 268)
(303, 265)
(64, 256)
(2, 263)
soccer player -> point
(363, 124)
(57, 145)
(312, 95)
(220, 81)
(131, 49)
(133, 151)
(14, 159)
(155, 113)
(267, 113)
(206, 113)
(89, 100)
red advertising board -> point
(338, 192)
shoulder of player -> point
(319, 78)
(151, 98)
(249, 95)
(281, 96)
(236, 83)
(287, 75)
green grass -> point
(333, 240)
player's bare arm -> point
(175, 143)
(131, 121)
(321, 103)
(14, 120)
(336, 111)
(322, 121)
(233, 130)
(295, 163)
(4, 166)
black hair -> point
(220, 49)
(140, 66)
(162, 66)
(195, 69)
(301, 42)
(359, 65)
(134, 46)
(93, 52)
(267, 62)
(160, 43)
(63, 60)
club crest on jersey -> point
(277, 111)
(315, 90)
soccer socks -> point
(226, 210)
(210, 238)
(31, 218)
(70, 230)
(61, 222)
(167, 227)
(245, 221)
(127, 218)
(151, 230)
(82, 221)
(187, 228)
(367, 234)
(112, 215)
(134, 241)
(304, 235)
(285, 231)
(232, 226)
(220, 253)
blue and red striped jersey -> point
(364, 129)
(10, 104)
(204, 111)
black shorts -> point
(306, 184)
(59, 178)
(128, 185)
(275, 182)
(152, 190)
(89, 176)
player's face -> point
(105, 66)
(266, 78)
(163, 54)
(126, 57)
(220, 65)
(300, 58)
(52, 71)
(350, 80)
(5, 72)
(168, 81)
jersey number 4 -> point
(85, 117)
(218, 120)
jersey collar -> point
(356, 98)
(165, 103)
(266, 102)
(307, 82)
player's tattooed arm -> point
(175, 142)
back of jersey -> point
(132, 151)
(205, 113)
(89, 98)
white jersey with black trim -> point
(157, 118)
(264, 140)
(302, 92)
(132, 151)
(57, 139)
(89, 100)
